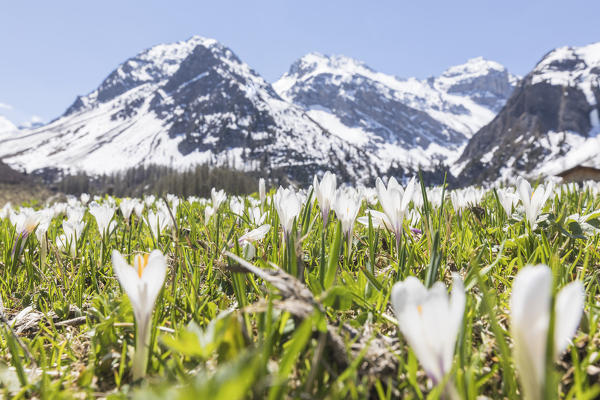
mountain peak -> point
(474, 67)
(338, 67)
(558, 59)
(487, 82)
(317, 63)
(314, 64)
(152, 65)
(573, 67)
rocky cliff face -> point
(549, 124)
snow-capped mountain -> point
(410, 122)
(180, 105)
(548, 125)
(485, 82)
(6, 125)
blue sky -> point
(51, 51)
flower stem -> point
(142, 347)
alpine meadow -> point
(324, 292)
(316, 200)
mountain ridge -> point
(408, 120)
(207, 107)
(195, 101)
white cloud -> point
(6, 125)
(34, 120)
(5, 106)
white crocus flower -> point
(247, 240)
(67, 242)
(126, 206)
(75, 213)
(111, 201)
(508, 199)
(434, 195)
(16, 217)
(208, 213)
(72, 201)
(255, 234)
(25, 222)
(159, 221)
(73, 228)
(346, 206)
(45, 218)
(252, 202)
(533, 201)
(378, 219)
(458, 201)
(149, 200)
(104, 214)
(236, 205)
(463, 198)
(5, 211)
(85, 197)
(530, 317)
(142, 283)
(59, 209)
(262, 191)
(288, 206)
(430, 321)
(217, 197)
(138, 208)
(394, 200)
(172, 198)
(326, 193)
(256, 216)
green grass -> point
(223, 332)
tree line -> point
(160, 180)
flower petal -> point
(154, 277)
(530, 315)
(128, 278)
(408, 292)
(569, 308)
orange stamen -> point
(30, 227)
(140, 262)
(420, 309)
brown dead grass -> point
(20, 193)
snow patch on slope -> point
(579, 151)
(571, 66)
(330, 122)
